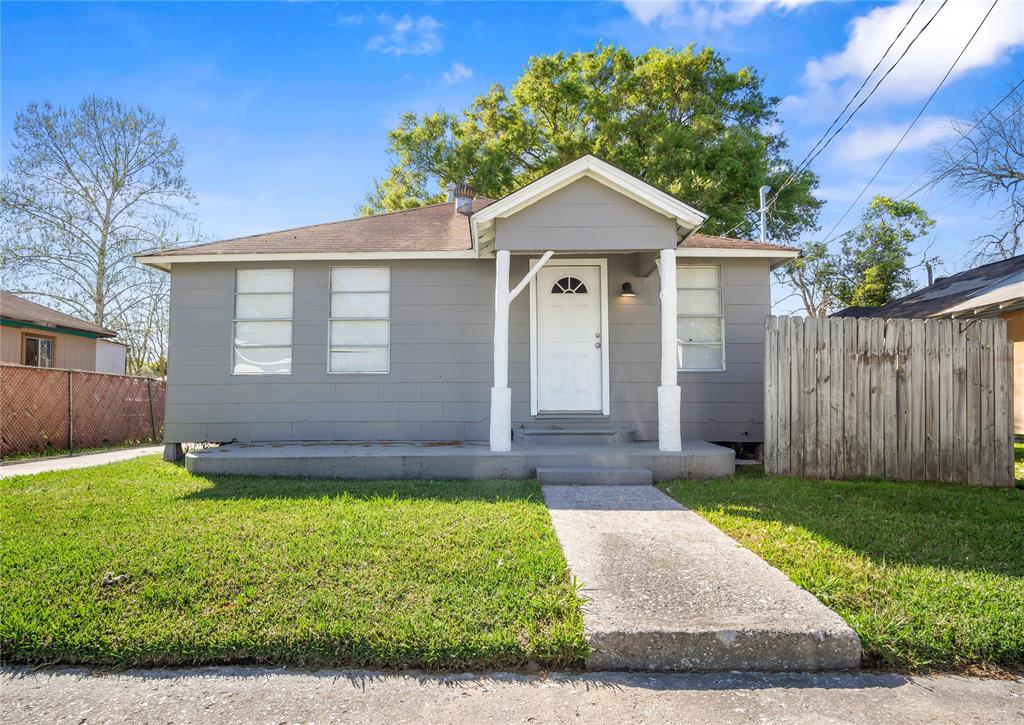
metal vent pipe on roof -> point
(463, 195)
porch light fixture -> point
(627, 290)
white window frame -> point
(720, 289)
(50, 340)
(331, 318)
(235, 320)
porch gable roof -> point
(686, 217)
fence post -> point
(71, 418)
(152, 415)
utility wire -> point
(904, 196)
(815, 151)
(920, 113)
(864, 83)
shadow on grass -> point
(226, 488)
(922, 524)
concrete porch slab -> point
(669, 591)
(375, 460)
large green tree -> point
(679, 119)
(874, 264)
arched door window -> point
(569, 286)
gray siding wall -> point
(585, 215)
(441, 359)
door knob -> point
(597, 344)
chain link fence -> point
(43, 409)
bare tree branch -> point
(88, 188)
(986, 160)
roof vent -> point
(463, 194)
(939, 279)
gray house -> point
(584, 304)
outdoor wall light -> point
(627, 290)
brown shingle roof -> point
(17, 308)
(433, 228)
(947, 292)
(705, 241)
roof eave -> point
(165, 261)
(58, 327)
(776, 257)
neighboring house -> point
(38, 336)
(401, 326)
(991, 290)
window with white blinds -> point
(263, 322)
(700, 325)
(360, 325)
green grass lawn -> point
(930, 576)
(1018, 463)
(302, 572)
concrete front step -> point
(569, 434)
(594, 476)
(666, 590)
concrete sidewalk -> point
(239, 695)
(66, 463)
(667, 590)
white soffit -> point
(600, 171)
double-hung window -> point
(701, 324)
(263, 322)
(360, 334)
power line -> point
(914, 121)
(815, 150)
(861, 88)
(904, 196)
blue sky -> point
(283, 108)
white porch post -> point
(501, 393)
(669, 438)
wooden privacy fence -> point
(925, 400)
(43, 409)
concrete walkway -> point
(234, 695)
(669, 591)
(66, 463)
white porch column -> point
(669, 438)
(501, 393)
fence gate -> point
(924, 400)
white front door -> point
(569, 339)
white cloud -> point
(349, 20)
(407, 36)
(831, 79)
(709, 14)
(458, 72)
(874, 141)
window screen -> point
(263, 322)
(360, 334)
(700, 325)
